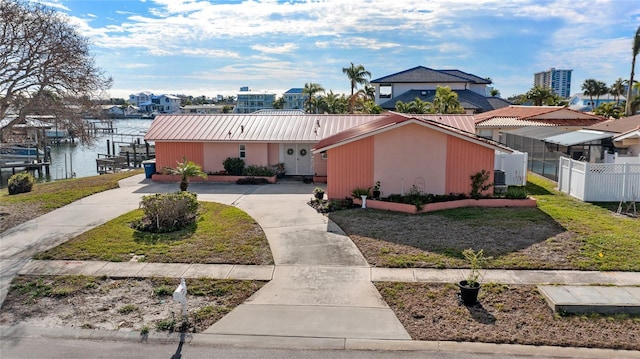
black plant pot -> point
(376, 194)
(319, 195)
(469, 294)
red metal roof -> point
(462, 122)
(393, 119)
(252, 127)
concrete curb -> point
(307, 343)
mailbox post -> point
(180, 296)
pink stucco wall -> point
(436, 162)
(465, 159)
(168, 154)
(349, 166)
(216, 153)
(319, 165)
(411, 154)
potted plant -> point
(376, 190)
(187, 169)
(279, 169)
(318, 192)
(470, 287)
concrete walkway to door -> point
(321, 285)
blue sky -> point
(214, 47)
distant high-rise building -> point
(558, 80)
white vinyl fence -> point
(599, 182)
(514, 166)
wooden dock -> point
(39, 167)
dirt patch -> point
(119, 304)
(505, 314)
(18, 213)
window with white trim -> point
(243, 151)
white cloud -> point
(275, 49)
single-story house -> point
(267, 139)
(261, 139)
(404, 151)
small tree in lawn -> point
(187, 169)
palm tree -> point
(416, 106)
(539, 94)
(335, 104)
(591, 89)
(636, 50)
(601, 89)
(357, 75)
(370, 91)
(446, 101)
(608, 110)
(495, 93)
(187, 169)
(617, 89)
(311, 89)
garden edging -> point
(438, 206)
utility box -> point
(149, 167)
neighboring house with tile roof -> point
(421, 82)
(545, 133)
(493, 123)
(625, 138)
(436, 158)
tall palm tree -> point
(617, 89)
(636, 50)
(601, 89)
(357, 76)
(311, 89)
(590, 88)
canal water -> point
(69, 160)
(79, 159)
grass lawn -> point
(45, 197)
(52, 195)
(562, 233)
(222, 234)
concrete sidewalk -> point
(267, 272)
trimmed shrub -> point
(167, 212)
(234, 166)
(261, 171)
(20, 183)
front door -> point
(297, 159)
